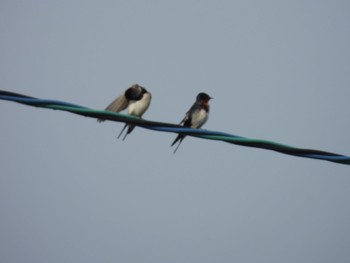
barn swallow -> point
(195, 117)
(136, 99)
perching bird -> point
(137, 99)
(195, 117)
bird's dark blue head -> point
(135, 92)
(203, 97)
(138, 88)
(143, 90)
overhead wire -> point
(174, 128)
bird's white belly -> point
(199, 118)
(138, 107)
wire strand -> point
(174, 128)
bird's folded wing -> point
(118, 104)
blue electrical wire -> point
(174, 128)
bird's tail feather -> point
(178, 138)
(126, 125)
(177, 147)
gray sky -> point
(278, 70)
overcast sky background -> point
(278, 70)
